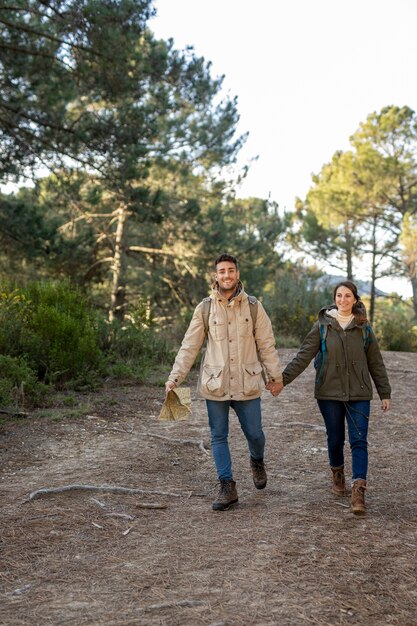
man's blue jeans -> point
(250, 418)
(357, 417)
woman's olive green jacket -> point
(351, 358)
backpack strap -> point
(323, 335)
(320, 358)
(253, 308)
(205, 311)
(367, 338)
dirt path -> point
(289, 555)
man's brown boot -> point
(339, 483)
(227, 495)
(258, 473)
(358, 497)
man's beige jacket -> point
(230, 369)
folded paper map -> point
(177, 405)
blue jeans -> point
(357, 416)
(250, 418)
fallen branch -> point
(100, 504)
(122, 515)
(150, 505)
(303, 424)
(139, 505)
(103, 488)
(168, 605)
(191, 442)
(118, 430)
(14, 413)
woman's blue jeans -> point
(357, 417)
(250, 418)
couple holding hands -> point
(241, 359)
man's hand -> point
(274, 388)
(169, 386)
(385, 405)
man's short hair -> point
(226, 257)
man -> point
(239, 352)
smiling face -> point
(344, 300)
(227, 276)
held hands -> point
(274, 388)
(385, 405)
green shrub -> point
(394, 326)
(54, 328)
(15, 316)
(19, 386)
(63, 340)
(133, 350)
(293, 301)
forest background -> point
(123, 150)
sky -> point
(306, 73)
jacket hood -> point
(325, 318)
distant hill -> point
(364, 286)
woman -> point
(347, 356)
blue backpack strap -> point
(367, 337)
(320, 358)
(323, 335)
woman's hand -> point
(385, 405)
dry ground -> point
(290, 555)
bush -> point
(15, 315)
(133, 350)
(394, 326)
(19, 387)
(54, 328)
(293, 301)
(54, 332)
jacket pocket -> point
(252, 378)
(218, 329)
(363, 380)
(245, 327)
(329, 382)
(212, 380)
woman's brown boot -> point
(358, 497)
(339, 483)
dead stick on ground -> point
(103, 488)
(167, 605)
(122, 515)
(118, 430)
(150, 505)
(14, 413)
(139, 505)
(303, 424)
(192, 442)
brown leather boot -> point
(339, 483)
(227, 495)
(258, 473)
(358, 497)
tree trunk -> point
(413, 280)
(373, 274)
(349, 255)
(118, 294)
